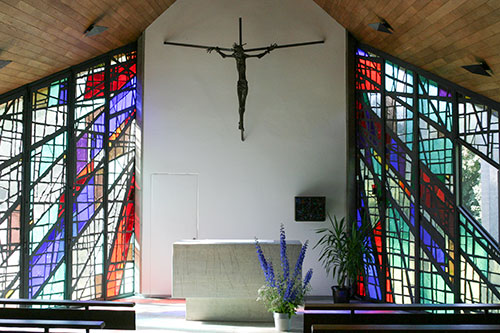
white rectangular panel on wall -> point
(174, 216)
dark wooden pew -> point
(48, 324)
(404, 328)
(385, 314)
(65, 303)
(111, 313)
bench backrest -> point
(65, 303)
(114, 319)
(465, 307)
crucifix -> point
(241, 54)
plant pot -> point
(340, 295)
(281, 321)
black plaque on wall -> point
(310, 209)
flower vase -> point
(281, 321)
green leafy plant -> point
(344, 250)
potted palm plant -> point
(344, 252)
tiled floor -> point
(165, 316)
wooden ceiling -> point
(43, 37)
(439, 36)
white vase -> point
(281, 322)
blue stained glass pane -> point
(46, 259)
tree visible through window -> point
(480, 190)
(471, 191)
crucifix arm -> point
(217, 49)
(267, 50)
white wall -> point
(295, 123)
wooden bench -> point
(48, 324)
(404, 328)
(386, 314)
(39, 309)
(64, 303)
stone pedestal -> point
(220, 278)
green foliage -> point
(471, 177)
(344, 250)
(275, 302)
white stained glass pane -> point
(489, 198)
(480, 191)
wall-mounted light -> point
(4, 63)
(93, 30)
(382, 26)
(480, 69)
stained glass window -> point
(11, 148)
(420, 144)
(87, 234)
(68, 146)
(47, 191)
(120, 226)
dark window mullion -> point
(25, 194)
(384, 187)
(416, 184)
(107, 68)
(70, 180)
(457, 177)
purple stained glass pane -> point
(81, 153)
(444, 93)
(63, 93)
(362, 53)
(117, 121)
(124, 99)
(412, 217)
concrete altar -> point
(220, 278)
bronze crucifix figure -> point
(240, 55)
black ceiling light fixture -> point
(4, 63)
(94, 29)
(481, 68)
(381, 26)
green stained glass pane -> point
(54, 288)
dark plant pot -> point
(341, 295)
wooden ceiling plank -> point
(440, 44)
(74, 23)
(15, 73)
(37, 27)
(363, 15)
(20, 55)
(494, 4)
(31, 35)
(439, 36)
(122, 11)
(107, 17)
(468, 16)
(31, 15)
(47, 35)
(157, 8)
(20, 47)
(144, 7)
(390, 13)
(424, 31)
